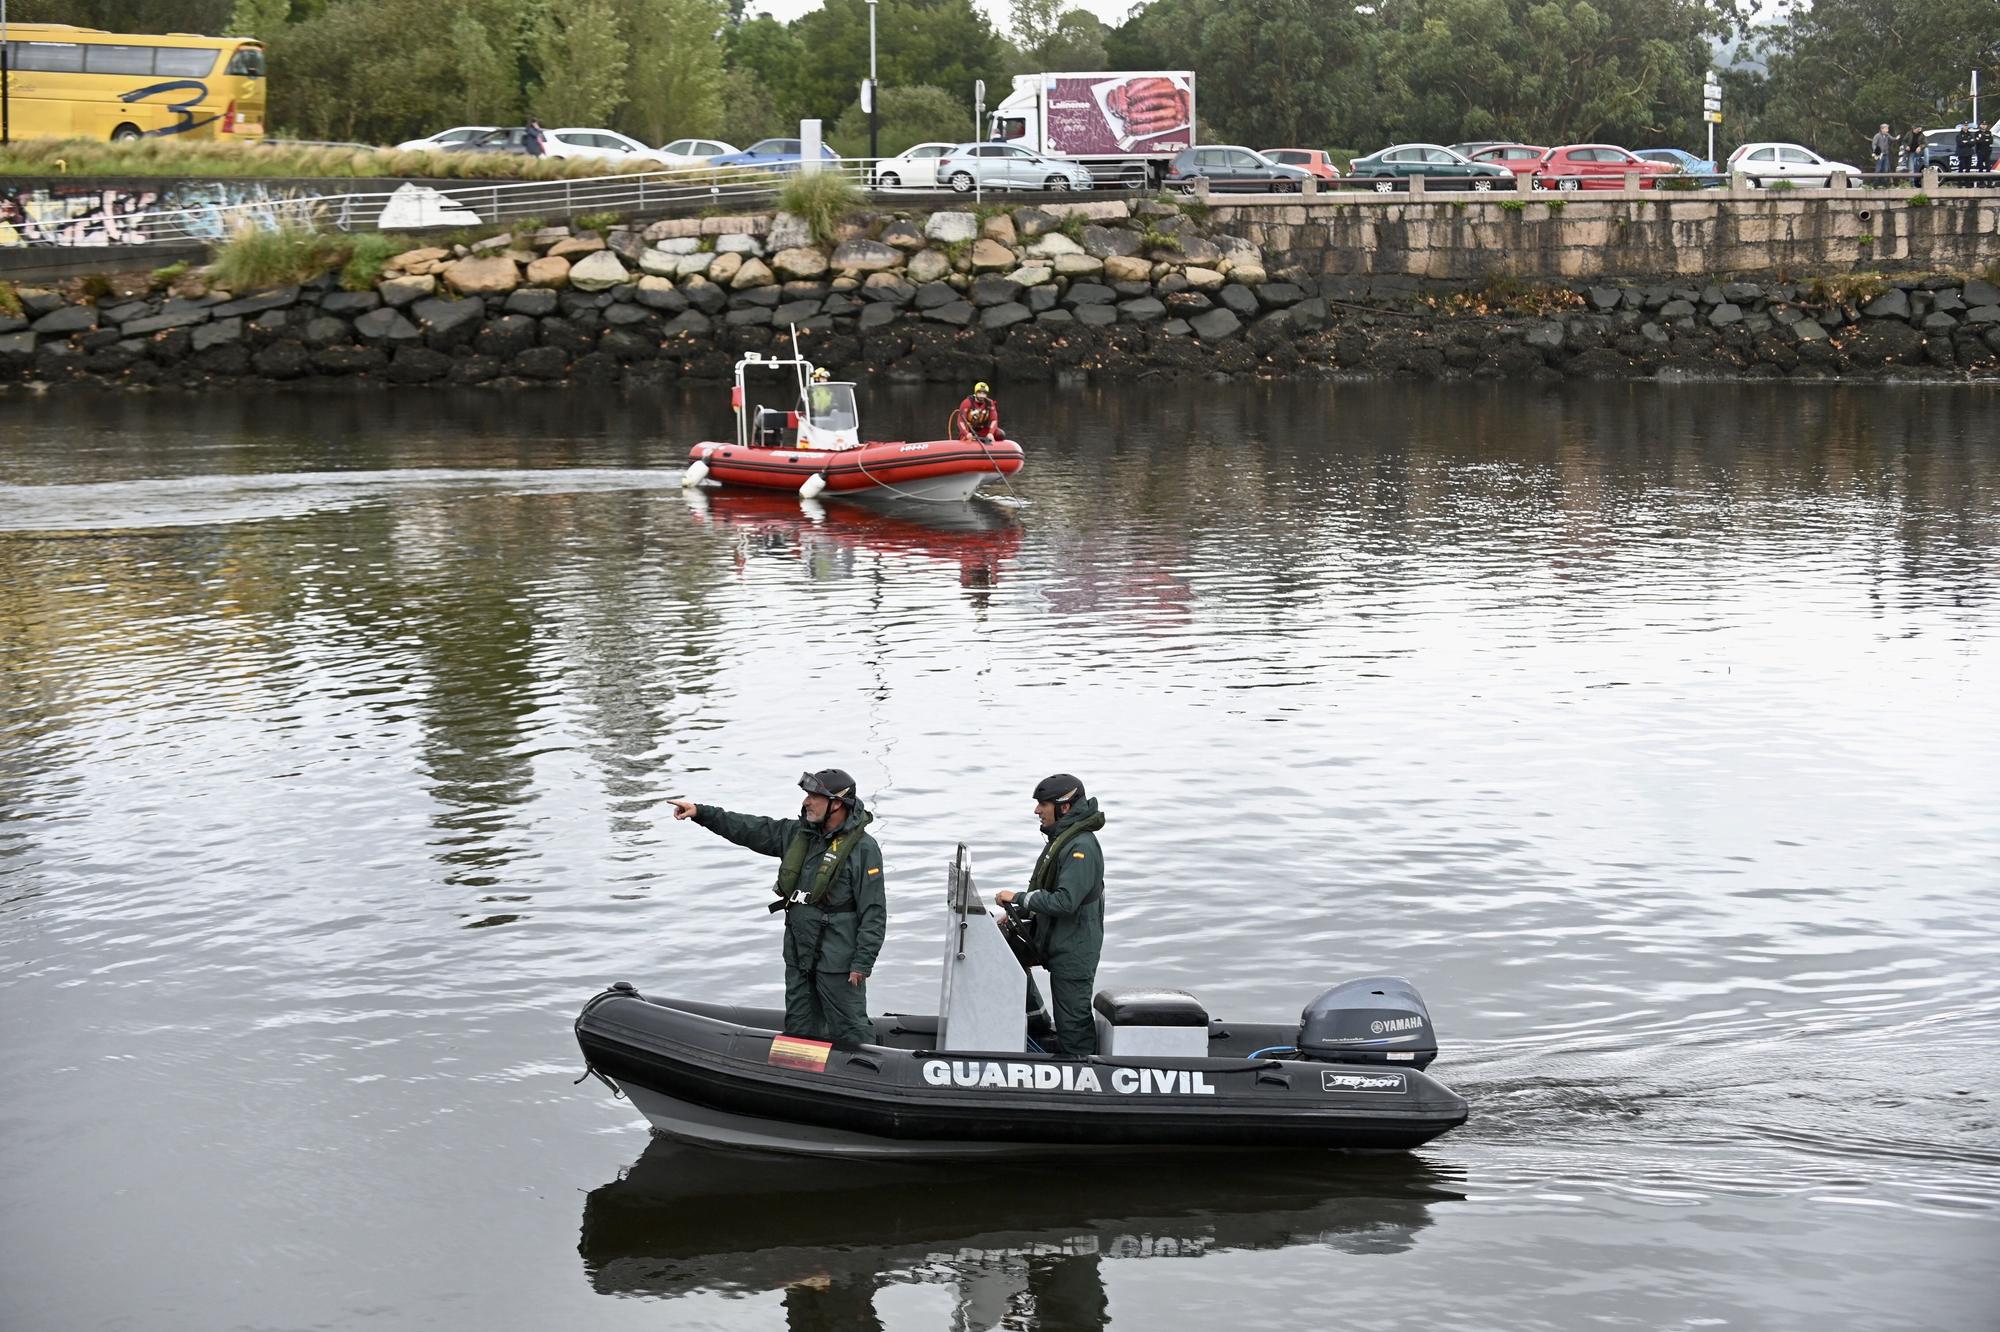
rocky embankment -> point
(1101, 288)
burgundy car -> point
(1523, 159)
(1596, 166)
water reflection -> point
(1027, 1243)
(831, 537)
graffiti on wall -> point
(81, 214)
(72, 215)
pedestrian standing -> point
(830, 889)
(1961, 153)
(1913, 154)
(1884, 144)
(1982, 148)
(533, 139)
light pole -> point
(874, 92)
(6, 63)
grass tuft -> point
(820, 201)
(166, 273)
(1920, 200)
(10, 300)
(368, 254)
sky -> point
(1111, 11)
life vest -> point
(979, 415)
(794, 862)
(1044, 876)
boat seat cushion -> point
(1150, 1008)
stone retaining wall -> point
(1662, 234)
(1101, 288)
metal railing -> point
(220, 209)
(424, 205)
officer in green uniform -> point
(1060, 918)
(830, 889)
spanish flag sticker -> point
(798, 1052)
(1076, 855)
(876, 870)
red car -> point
(1596, 166)
(1523, 159)
(1309, 160)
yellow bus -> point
(80, 83)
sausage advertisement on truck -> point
(1125, 127)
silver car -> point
(1003, 166)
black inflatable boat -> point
(1349, 1074)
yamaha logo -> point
(1395, 1024)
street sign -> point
(1712, 117)
(867, 94)
(1711, 103)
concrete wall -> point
(1640, 234)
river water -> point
(1650, 730)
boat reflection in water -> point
(828, 534)
(684, 1220)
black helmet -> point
(831, 783)
(1061, 789)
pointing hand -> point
(683, 809)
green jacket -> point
(834, 940)
(1065, 901)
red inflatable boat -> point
(816, 446)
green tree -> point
(748, 113)
(258, 18)
(489, 78)
(1051, 37)
(581, 64)
(943, 43)
(907, 116)
(210, 17)
(676, 70)
(1269, 73)
(1839, 68)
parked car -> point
(1472, 149)
(1767, 163)
(1227, 167)
(607, 144)
(512, 139)
(1386, 169)
(1522, 159)
(447, 138)
(1309, 160)
(1685, 161)
(915, 168)
(1596, 166)
(694, 152)
(1006, 166)
(1940, 151)
(772, 155)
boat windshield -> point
(830, 407)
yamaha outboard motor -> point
(1381, 1020)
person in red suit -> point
(981, 415)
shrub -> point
(10, 300)
(255, 257)
(1513, 205)
(1920, 200)
(598, 221)
(819, 200)
(1557, 205)
(1681, 182)
(1866, 238)
(166, 273)
(1072, 226)
(367, 255)
(1780, 185)
(1151, 239)
(94, 287)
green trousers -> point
(822, 1006)
(1075, 1027)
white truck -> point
(1124, 127)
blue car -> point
(1689, 164)
(772, 155)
